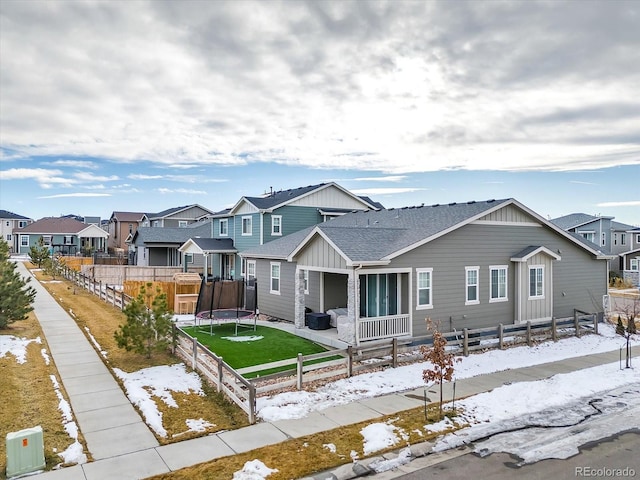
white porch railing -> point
(375, 328)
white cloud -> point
(369, 86)
(87, 177)
(632, 203)
(186, 191)
(385, 190)
(77, 195)
(74, 163)
(389, 178)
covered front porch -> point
(365, 304)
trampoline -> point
(226, 301)
(224, 315)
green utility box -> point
(25, 451)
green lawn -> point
(270, 345)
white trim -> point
(506, 283)
(250, 224)
(545, 250)
(273, 232)
(467, 285)
(536, 268)
(271, 277)
(22, 240)
(430, 288)
(248, 275)
(503, 223)
(224, 221)
(305, 274)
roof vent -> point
(491, 201)
(471, 202)
(435, 205)
(452, 204)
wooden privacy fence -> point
(340, 363)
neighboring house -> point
(10, 221)
(158, 247)
(468, 265)
(610, 236)
(254, 221)
(122, 226)
(62, 235)
(630, 260)
(176, 217)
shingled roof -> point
(377, 236)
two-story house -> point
(608, 235)
(10, 221)
(176, 217)
(121, 227)
(63, 235)
(254, 221)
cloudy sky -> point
(147, 105)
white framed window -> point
(276, 225)
(615, 239)
(8, 223)
(8, 237)
(638, 238)
(472, 278)
(589, 235)
(634, 264)
(246, 225)
(156, 223)
(46, 240)
(131, 228)
(24, 240)
(274, 286)
(68, 240)
(182, 223)
(251, 269)
(536, 281)
(623, 239)
(603, 240)
(23, 223)
(224, 227)
(498, 283)
(424, 292)
(188, 258)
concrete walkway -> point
(123, 447)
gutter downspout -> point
(356, 306)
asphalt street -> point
(609, 458)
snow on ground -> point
(291, 405)
(74, 453)
(95, 342)
(253, 470)
(160, 381)
(16, 346)
(252, 338)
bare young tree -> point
(441, 360)
(631, 310)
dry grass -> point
(101, 320)
(308, 455)
(28, 395)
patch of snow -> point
(159, 381)
(378, 436)
(404, 457)
(75, 452)
(354, 455)
(199, 425)
(16, 347)
(95, 342)
(253, 470)
(252, 338)
(330, 446)
(45, 355)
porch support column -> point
(299, 299)
(347, 330)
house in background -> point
(159, 247)
(467, 265)
(255, 221)
(121, 227)
(176, 217)
(10, 221)
(630, 260)
(610, 236)
(63, 235)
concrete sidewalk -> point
(123, 447)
